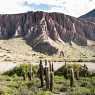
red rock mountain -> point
(41, 29)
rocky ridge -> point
(44, 31)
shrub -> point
(20, 70)
(79, 70)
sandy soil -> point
(15, 51)
(8, 66)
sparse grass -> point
(14, 85)
(17, 86)
(17, 51)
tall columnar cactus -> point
(47, 78)
(65, 63)
(41, 73)
(85, 70)
(72, 77)
(45, 63)
(24, 75)
(77, 74)
(52, 67)
(46, 72)
(65, 70)
(30, 72)
(24, 68)
(51, 78)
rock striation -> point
(42, 30)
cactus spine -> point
(72, 77)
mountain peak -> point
(90, 14)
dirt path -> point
(90, 65)
(7, 66)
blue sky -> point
(71, 7)
(40, 7)
(43, 7)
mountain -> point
(90, 16)
(45, 32)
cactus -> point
(41, 73)
(65, 70)
(85, 70)
(51, 78)
(45, 63)
(47, 78)
(72, 77)
(30, 72)
(52, 68)
(65, 63)
(77, 75)
(46, 75)
(24, 75)
(23, 68)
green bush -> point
(44, 93)
(80, 91)
(65, 70)
(20, 70)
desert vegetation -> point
(43, 38)
(27, 79)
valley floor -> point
(15, 51)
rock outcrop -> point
(41, 30)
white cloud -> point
(70, 7)
(12, 6)
(79, 7)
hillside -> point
(16, 50)
(90, 16)
(45, 31)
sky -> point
(74, 8)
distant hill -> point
(90, 16)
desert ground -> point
(15, 51)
